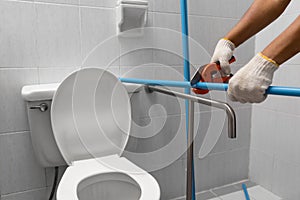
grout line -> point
(20, 1)
(54, 4)
(17, 68)
(80, 33)
(22, 191)
(37, 57)
(14, 132)
(96, 7)
(273, 169)
(278, 111)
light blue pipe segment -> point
(185, 49)
(272, 90)
(245, 191)
(284, 91)
(185, 39)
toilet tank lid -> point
(39, 92)
(46, 91)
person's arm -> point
(259, 15)
(286, 45)
(250, 83)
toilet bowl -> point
(90, 116)
(93, 179)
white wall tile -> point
(221, 168)
(139, 72)
(261, 168)
(167, 39)
(286, 180)
(100, 46)
(17, 35)
(224, 143)
(138, 50)
(53, 75)
(213, 8)
(264, 130)
(58, 35)
(171, 180)
(166, 6)
(99, 3)
(245, 53)
(201, 34)
(287, 76)
(212, 131)
(166, 142)
(287, 138)
(13, 110)
(146, 105)
(19, 170)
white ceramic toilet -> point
(90, 124)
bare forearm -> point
(259, 15)
(286, 45)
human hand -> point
(223, 53)
(250, 83)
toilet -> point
(85, 122)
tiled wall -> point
(44, 40)
(274, 157)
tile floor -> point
(234, 192)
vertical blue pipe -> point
(245, 192)
(185, 48)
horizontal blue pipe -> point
(273, 90)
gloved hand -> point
(250, 83)
(223, 53)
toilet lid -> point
(90, 115)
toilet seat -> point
(91, 119)
(90, 115)
(80, 170)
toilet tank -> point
(38, 102)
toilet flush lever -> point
(43, 107)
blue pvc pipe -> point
(272, 90)
(245, 191)
(186, 64)
(185, 39)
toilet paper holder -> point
(131, 16)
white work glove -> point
(250, 83)
(223, 53)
